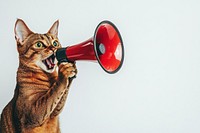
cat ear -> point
(54, 28)
(21, 31)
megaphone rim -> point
(122, 45)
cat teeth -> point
(51, 61)
(48, 63)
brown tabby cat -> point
(41, 89)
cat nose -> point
(51, 48)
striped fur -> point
(40, 93)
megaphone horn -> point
(105, 46)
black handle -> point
(61, 55)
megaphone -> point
(105, 46)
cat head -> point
(36, 51)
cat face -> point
(36, 51)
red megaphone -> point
(105, 46)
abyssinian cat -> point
(41, 88)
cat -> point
(42, 85)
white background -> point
(156, 91)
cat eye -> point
(39, 45)
(55, 44)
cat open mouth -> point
(49, 62)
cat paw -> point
(67, 70)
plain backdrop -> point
(157, 89)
